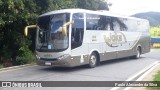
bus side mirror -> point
(64, 30)
(26, 29)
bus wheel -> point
(93, 60)
(138, 51)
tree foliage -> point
(93, 4)
(61, 4)
(15, 15)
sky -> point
(130, 7)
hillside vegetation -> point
(153, 17)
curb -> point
(15, 67)
(145, 74)
(143, 71)
(138, 76)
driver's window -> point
(77, 30)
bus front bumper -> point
(67, 62)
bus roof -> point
(100, 12)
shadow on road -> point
(84, 67)
(120, 60)
(63, 69)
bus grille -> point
(52, 59)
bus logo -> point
(47, 55)
(116, 38)
(6, 84)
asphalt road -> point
(114, 70)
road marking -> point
(115, 88)
(144, 72)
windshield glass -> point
(49, 33)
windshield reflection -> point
(51, 38)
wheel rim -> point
(93, 60)
(138, 53)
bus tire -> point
(93, 60)
(138, 53)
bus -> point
(74, 37)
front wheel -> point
(93, 60)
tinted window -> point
(119, 24)
(98, 22)
(92, 22)
(77, 30)
(101, 22)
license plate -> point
(48, 63)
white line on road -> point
(145, 74)
(145, 71)
(142, 71)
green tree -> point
(93, 4)
(14, 16)
(61, 4)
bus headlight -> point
(63, 57)
(38, 58)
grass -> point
(1, 66)
(156, 78)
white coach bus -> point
(74, 37)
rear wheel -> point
(93, 60)
(138, 53)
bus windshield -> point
(49, 33)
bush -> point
(1, 66)
(25, 55)
(157, 77)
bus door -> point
(77, 33)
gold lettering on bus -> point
(47, 55)
(114, 38)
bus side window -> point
(92, 22)
(99, 22)
(77, 30)
(111, 23)
(106, 23)
(118, 24)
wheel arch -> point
(97, 54)
(140, 47)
